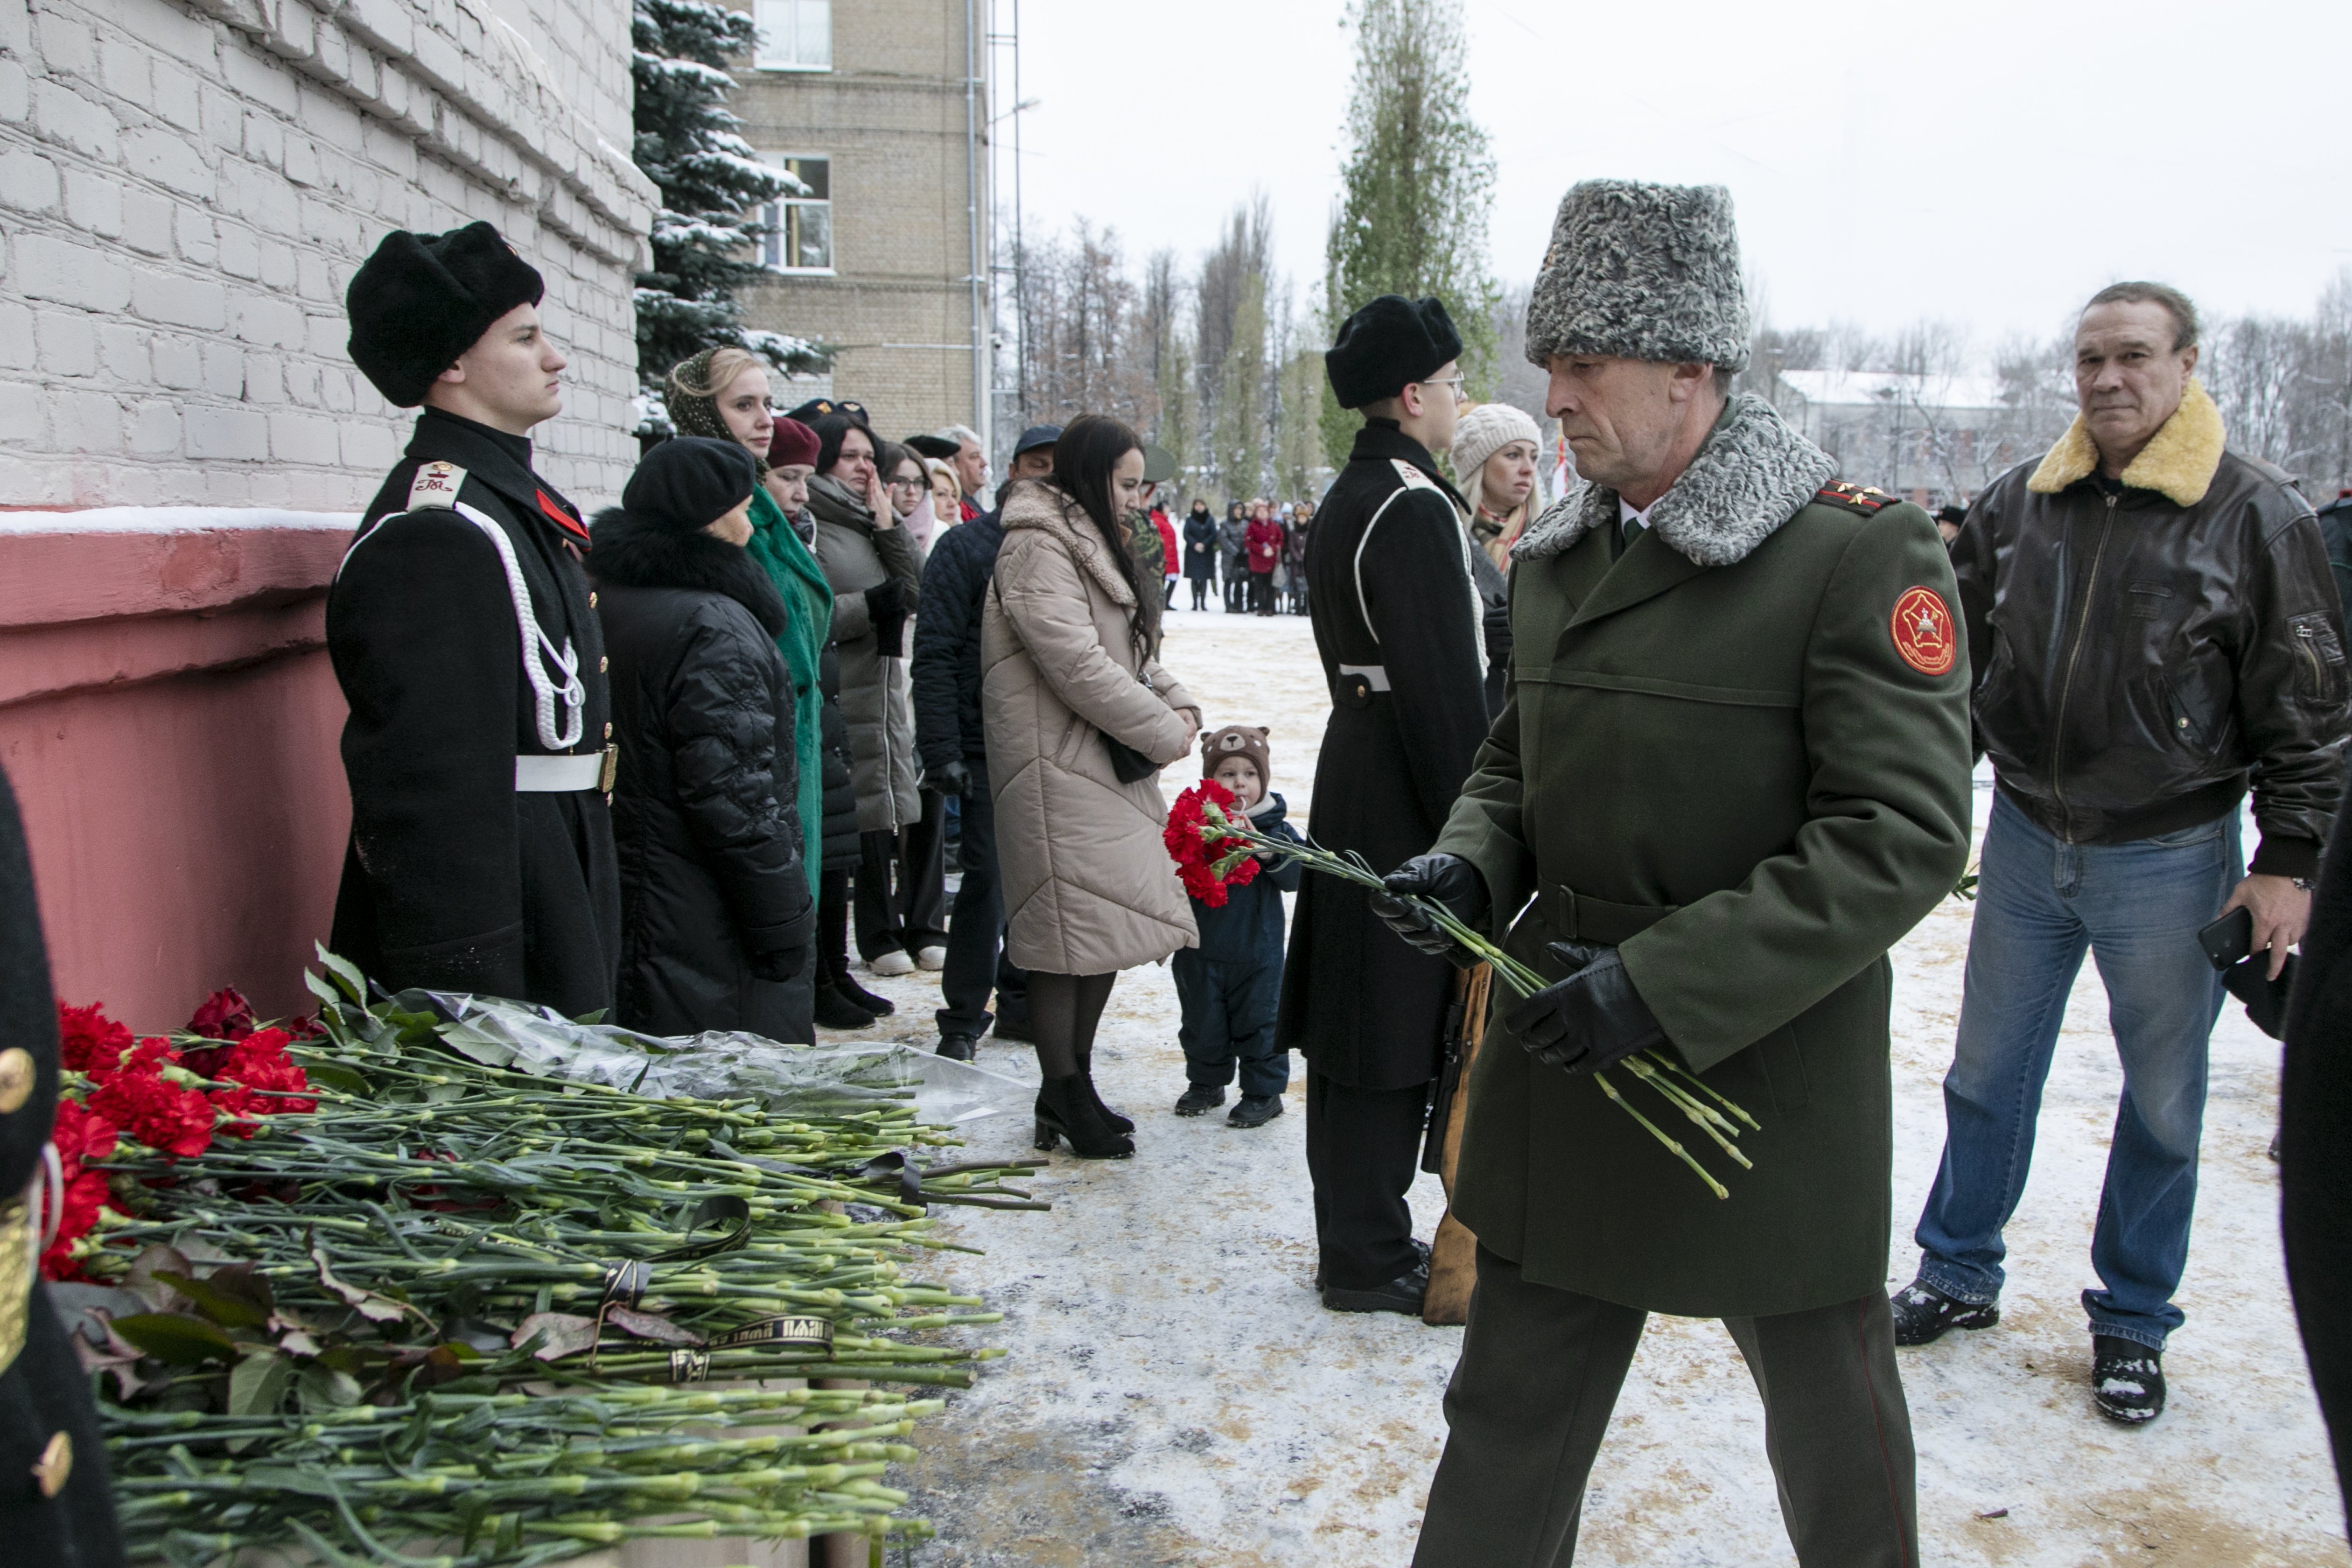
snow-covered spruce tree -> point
(1418, 179)
(712, 186)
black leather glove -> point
(1593, 1019)
(886, 606)
(1446, 880)
(950, 778)
(780, 966)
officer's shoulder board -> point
(1861, 499)
(436, 484)
(1414, 477)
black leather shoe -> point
(960, 1048)
(1401, 1294)
(1922, 1313)
(1013, 1030)
(1199, 1098)
(1254, 1110)
(1420, 1250)
(2126, 1380)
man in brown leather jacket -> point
(2153, 629)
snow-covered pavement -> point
(1175, 1394)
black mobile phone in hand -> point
(2229, 940)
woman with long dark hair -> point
(1079, 718)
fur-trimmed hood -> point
(636, 554)
(1032, 503)
(1752, 475)
(2178, 463)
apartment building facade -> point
(880, 110)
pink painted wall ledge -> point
(169, 720)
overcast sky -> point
(1989, 164)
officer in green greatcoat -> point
(1733, 772)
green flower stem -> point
(1657, 1133)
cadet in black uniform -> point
(1397, 623)
(54, 1507)
(462, 629)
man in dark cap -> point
(463, 631)
(1397, 625)
(953, 749)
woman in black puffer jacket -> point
(717, 917)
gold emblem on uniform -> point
(17, 1078)
(55, 1467)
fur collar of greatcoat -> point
(1753, 474)
(1036, 504)
(637, 555)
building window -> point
(795, 34)
(800, 224)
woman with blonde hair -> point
(722, 395)
(947, 494)
(1495, 447)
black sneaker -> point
(2127, 1379)
(959, 1046)
(1922, 1313)
(1402, 1294)
(1254, 1110)
(1199, 1098)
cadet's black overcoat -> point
(455, 880)
(43, 1390)
(1388, 574)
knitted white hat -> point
(1486, 430)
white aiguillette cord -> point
(538, 651)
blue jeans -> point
(2137, 907)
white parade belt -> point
(1376, 675)
(556, 775)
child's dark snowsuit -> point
(1229, 986)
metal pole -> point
(1020, 247)
(979, 420)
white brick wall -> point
(187, 186)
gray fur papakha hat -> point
(1641, 271)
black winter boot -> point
(1922, 1313)
(1199, 1098)
(1066, 1110)
(959, 1046)
(1086, 1071)
(836, 1011)
(1254, 1110)
(2127, 1379)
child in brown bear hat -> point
(1229, 986)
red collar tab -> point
(558, 515)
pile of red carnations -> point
(1197, 824)
(173, 1101)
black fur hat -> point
(689, 483)
(1389, 344)
(422, 300)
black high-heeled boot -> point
(1066, 1110)
(1086, 1074)
(836, 1011)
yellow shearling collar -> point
(2177, 464)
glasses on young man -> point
(1452, 382)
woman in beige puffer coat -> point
(1089, 886)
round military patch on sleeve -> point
(1922, 629)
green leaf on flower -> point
(235, 1296)
(322, 1387)
(345, 974)
(258, 1384)
(341, 1079)
(179, 1339)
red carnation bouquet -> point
(175, 1099)
(1201, 819)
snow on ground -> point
(1175, 1394)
